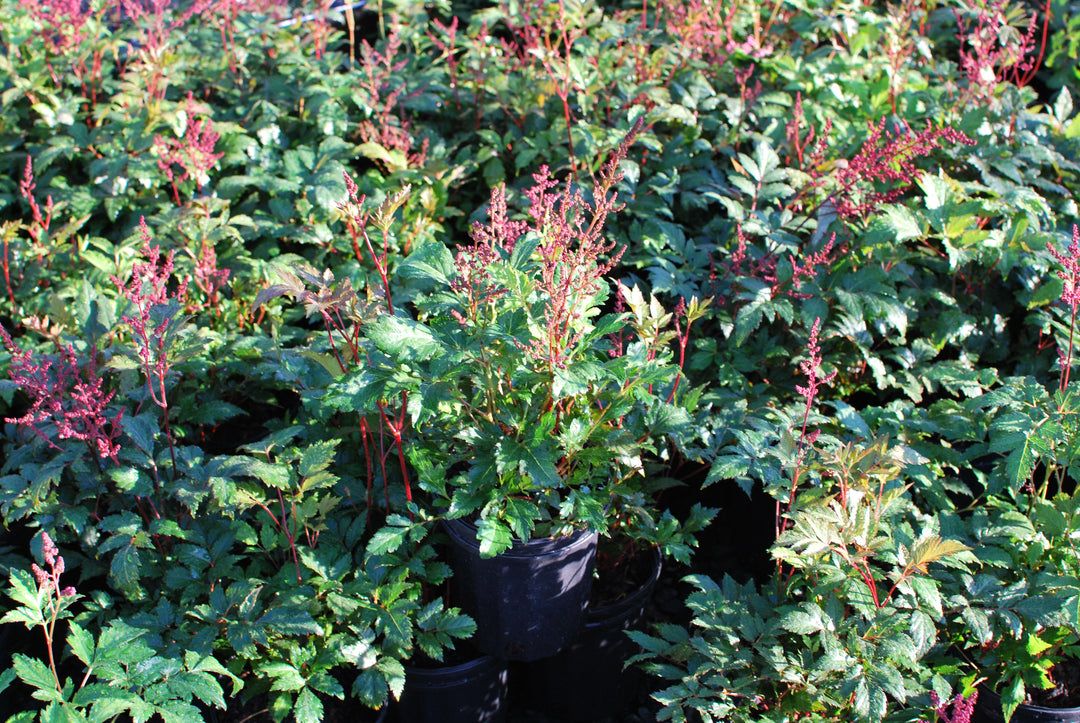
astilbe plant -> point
(889, 159)
(44, 605)
(122, 673)
(67, 398)
(521, 417)
(336, 303)
(153, 322)
(1070, 297)
(194, 153)
(997, 48)
(387, 127)
(811, 368)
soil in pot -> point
(588, 679)
(1060, 704)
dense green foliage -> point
(278, 292)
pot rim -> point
(989, 692)
(466, 532)
(597, 617)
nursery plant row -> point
(375, 361)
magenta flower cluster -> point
(50, 580)
(957, 710)
(67, 394)
(887, 158)
(148, 288)
(194, 153)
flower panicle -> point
(810, 367)
(1070, 269)
(957, 710)
(68, 394)
(49, 580)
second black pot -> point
(471, 692)
(588, 679)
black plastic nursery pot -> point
(988, 710)
(471, 692)
(588, 679)
(528, 602)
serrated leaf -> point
(537, 461)
(308, 708)
(37, 675)
(275, 475)
(403, 339)
(1021, 461)
(901, 221)
(23, 590)
(1012, 695)
(493, 536)
(285, 677)
(932, 549)
(7, 677)
(370, 687)
(431, 262)
(1034, 645)
(82, 643)
(387, 538)
(179, 711)
(125, 567)
(317, 457)
(290, 621)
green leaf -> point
(1021, 461)
(308, 709)
(275, 475)
(24, 591)
(179, 711)
(7, 677)
(290, 621)
(37, 675)
(82, 643)
(537, 461)
(394, 160)
(431, 262)
(188, 684)
(125, 567)
(848, 416)
(902, 222)
(286, 677)
(196, 662)
(371, 688)
(404, 339)
(1063, 106)
(1012, 696)
(394, 672)
(317, 457)
(389, 537)
(494, 537)
(1034, 645)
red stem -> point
(289, 535)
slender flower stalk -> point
(48, 581)
(147, 290)
(811, 368)
(1070, 295)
